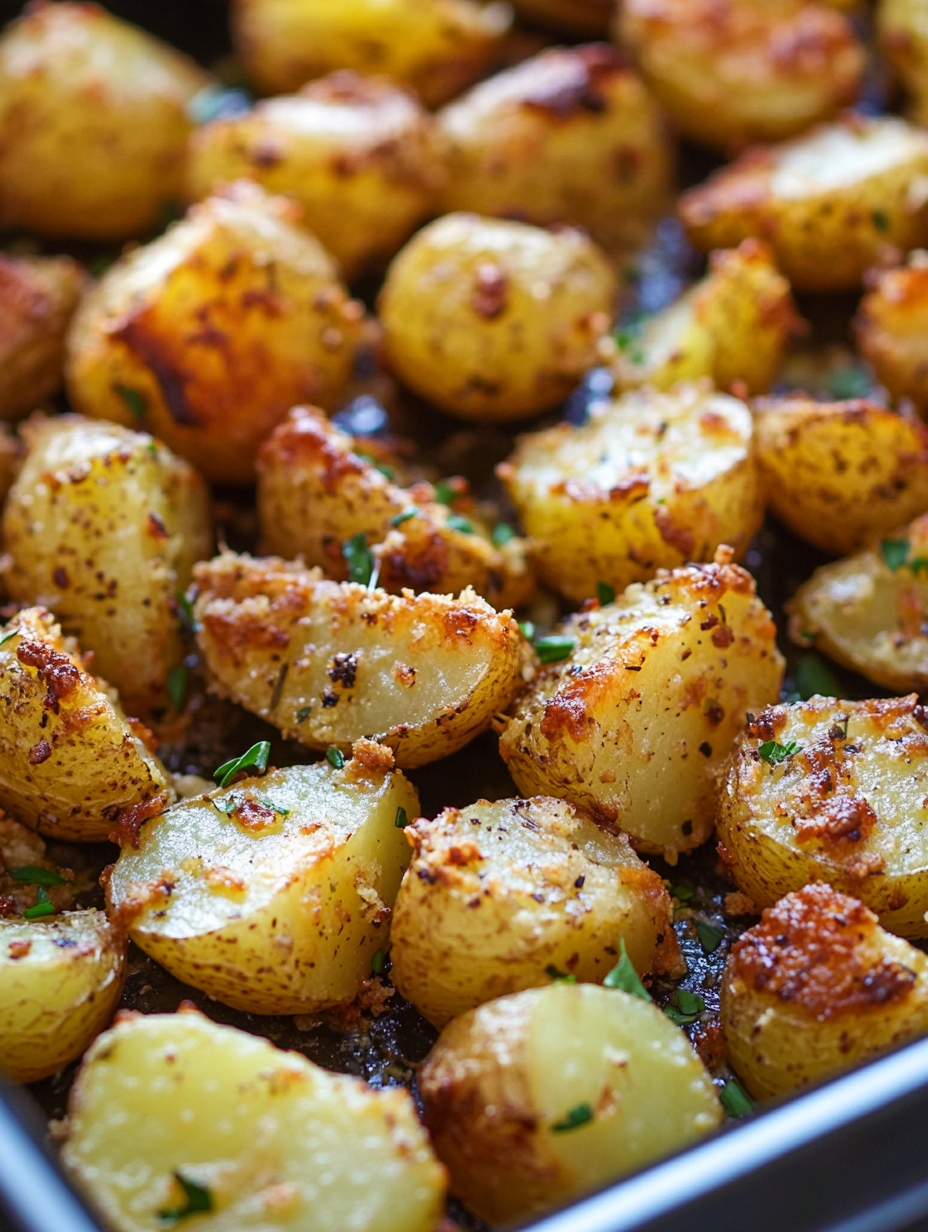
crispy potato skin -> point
(103, 527)
(438, 47)
(635, 724)
(359, 154)
(650, 481)
(815, 988)
(840, 473)
(330, 1153)
(60, 981)
(209, 334)
(732, 72)
(315, 492)
(499, 894)
(502, 1076)
(330, 662)
(891, 328)
(583, 18)
(848, 810)
(93, 123)
(902, 32)
(831, 203)
(495, 320)
(569, 136)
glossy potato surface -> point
(891, 329)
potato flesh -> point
(891, 326)
(279, 1142)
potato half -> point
(815, 988)
(649, 481)
(902, 31)
(891, 328)
(537, 1098)
(267, 1139)
(329, 662)
(60, 982)
(103, 526)
(635, 723)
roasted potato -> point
(651, 480)
(495, 320)
(568, 136)
(891, 328)
(634, 723)
(830, 203)
(816, 987)
(103, 526)
(167, 1105)
(436, 46)
(839, 473)
(93, 123)
(584, 18)
(732, 72)
(329, 662)
(208, 335)
(902, 31)
(537, 1098)
(359, 154)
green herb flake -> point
(197, 1200)
(444, 492)
(624, 977)
(359, 558)
(43, 906)
(849, 383)
(554, 649)
(5, 637)
(683, 893)
(455, 522)
(582, 1114)
(335, 757)
(254, 759)
(269, 803)
(227, 805)
(177, 687)
(404, 515)
(735, 1100)
(29, 874)
(379, 963)
(605, 593)
(402, 821)
(773, 753)
(303, 713)
(387, 471)
(527, 629)
(502, 534)
(134, 399)
(880, 220)
(895, 552)
(560, 976)
(710, 936)
(688, 1002)
(188, 624)
(919, 564)
(814, 676)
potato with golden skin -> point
(815, 988)
(495, 320)
(891, 328)
(93, 123)
(570, 135)
(634, 724)
(580, 18)
(209, 334)
(330, 662)
(902, 35)
(538, 1098)
(831, 203)
(103, 527)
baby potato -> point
(330, 662)
(834, 791)
(568, 136)
(495, 320)
(540, 1097)
(583, 18)
(103, 526)
(359, 154)
(732, 72)
(60, 982)
(636, 721)
(651, 480)
(93, 123)
(815, 988)
(315, 493)
(891, 328)
(438, 47)
(166, 1105)
(838, 473)
(505, 896)
(902, 31)
(209, 334)
(830, 204)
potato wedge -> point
(651, 480)
(538, 1098)
(636, 721)
(103, 527)
(269, 1140)
(831, 203)
(329, 662)
(891, 328)
(816, 988)
(902, 34)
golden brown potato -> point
(583, 18)
(830, 203)
(636, 719)
(169, 1103)
(330, 662)
(840, 473)
(891, 327)
(208, 335)
(651, 480)
(537, 1098)
(495, 320)
(93, 123)
(815, 988)
(568, 136)
(359, 154)
(103, 527)
(436, 46)
(732, 72)
(902, 30)
(315, 494)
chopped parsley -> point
(269, 803)
(177, 686)
(710, 936)
(134, 399)
(849, 383)
(303, 713)
(456, 522)
(502, 534)
(387, 471)
(5, 637)
(582, 1114)
(188, 624)
(402, 821)
(918, 564)
(554, 649)
(895, 553)
(197, 1199)
(735, 1100)
(254, 759)
(379, 963)
(31, 875)
(685, 1007)
(444, 492)
(683, 893)
(605, 593)
(335, 757)
(359, 558)
(624, 977)
(527, 629)
(773, 753)
(43, 906)
(561, 976)
(404, 515)
(880, 220)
